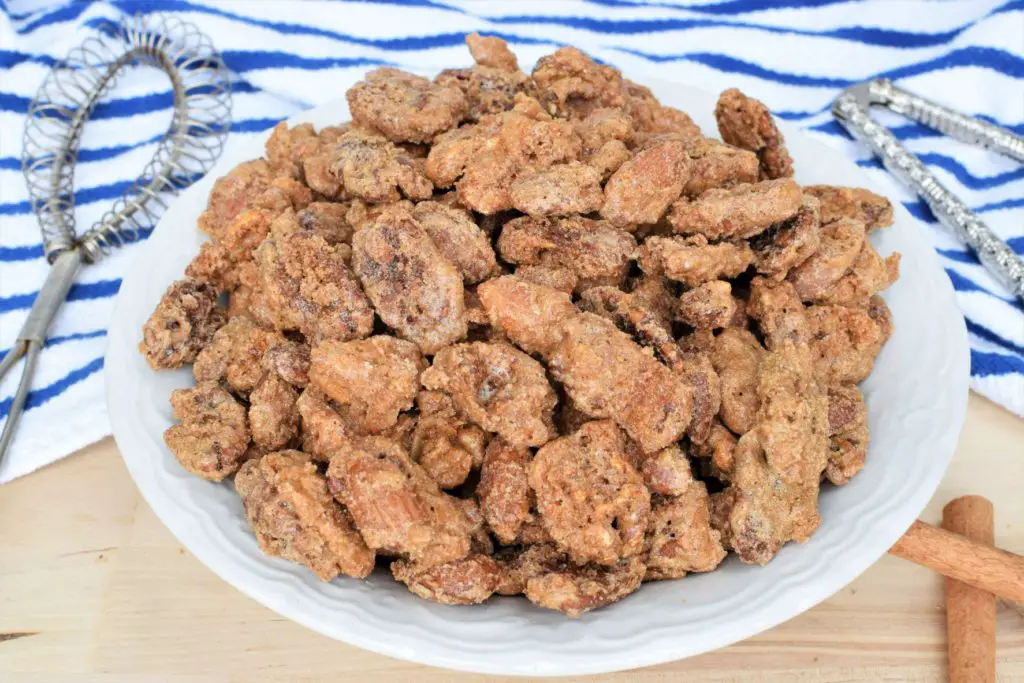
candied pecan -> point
(605, 134)
(667, 471)
(747, 123)
(370, 167)
(786, 245)
(458, 239)
(213, 266)
(699, 372)
(555, 277)
(372, 379)
(234, 355)
(594, 251)
(692, 260)
(713, 164)
(648, 298)
(294, 517)
(680, 538)
(523, 144)
(232, 194)
(212, 435)
(641, 190)
(488, 90)
(492, 52)
(736, 357)
(469, 581)
(778, 312)
(324, 431)
(504, 489)
(868, 275)
(273, 418)
(405, 107)
(840, 244)
(590, 498)
(529, 314)
(847, 433)
(720, 447)
(396, 506)
(559, 190)
(287, 147)
(181, 325)
(326, 219)
(845, 342)
(793, 413)
(575, 590)
(414, 289)
(740, 211)
(608, 375)
(307, 286)
(569, 83)
(497, 387)
(761, 511)
(290, 360)
(873, 210)
(709, 305)
(444, 443)
(521, 564)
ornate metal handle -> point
(851, 109)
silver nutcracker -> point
(851, 109)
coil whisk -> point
(56, 118)
(201, 120)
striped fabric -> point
(285, 55)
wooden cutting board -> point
(94, 589)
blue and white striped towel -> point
(794, 54)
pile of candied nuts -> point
(526, 334)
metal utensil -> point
(53, 131)
(851, 109)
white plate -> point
(916, 399)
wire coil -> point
(201, 121)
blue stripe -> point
(983, 57)
(250, 60)
(88, 195)
(10, 58)
(956, 169)
(990, 336)
(27, 252)
(728, 7)
(404, 43)
(106, 153)
(919, 210)
(994, 364)
(623, 26)
(120, 108)
(31, 252)
(68, 12)
(63, 339)
(80, 291)
(38, 397)
(1015, 203)
(963, 284)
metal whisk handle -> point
(945, 120)
(851, 111)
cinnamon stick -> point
(970, 611)
(958, 557)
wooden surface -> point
(94, 588)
